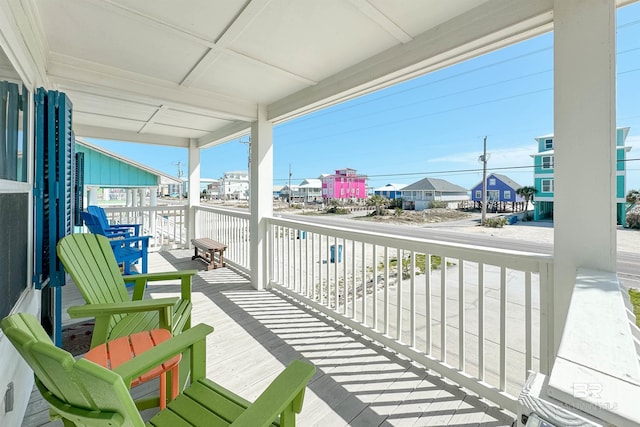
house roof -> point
(434, 184)
(505, 179)
(311, 183)
(391, 187)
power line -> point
(450, 171)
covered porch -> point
(257, 333)
(481, 318)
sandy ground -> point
(628, 240)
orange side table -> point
(114, 353)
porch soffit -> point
(142, 71)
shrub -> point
(495, 222)
(337, 210)
(633, 218)
(437, 204)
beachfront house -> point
(310, 190)
(344, 185)
(501, 191)
(163, 74)
(544, 176)
(234, 185)
(107, 177)
(390, 191)
(420, 195)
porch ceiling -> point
(165, 71)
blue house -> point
(500, 190)
(543, 176)
(390, 191)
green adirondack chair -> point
(89, 259)
(85, 394)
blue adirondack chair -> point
(127, 249)
(101, 216)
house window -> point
(548, 144)
(492, 181)
(547, 185)
(507, 195)
(547, 162)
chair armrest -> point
(282, 397)
(140, 282)
(110, 234)
(143, 239)
(193, 338)
(93, 310)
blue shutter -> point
(53, 193)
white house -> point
(234, 185)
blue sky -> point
(431, 126)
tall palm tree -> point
(378, 201)
(527, 192)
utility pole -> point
(180, 179)
(289, 192)
(483, 158)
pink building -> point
(345, 184)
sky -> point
(432, 126)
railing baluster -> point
(336, 254)
(527, 313)
(344, 276)
(503, 328)
(353, 279)
(443, 308)
(412, 298)
(461, 331)
(399, 295)
(364, 283)
(385, 305)
(481, 321)
(375, 287)
(427, 291)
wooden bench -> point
(205, 249)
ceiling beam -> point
(226, 134)
(382, 20)
(111, 134)
(494, 24)
(246, 16)
(93, 78)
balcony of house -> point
(402, 330)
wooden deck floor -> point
(357, 383)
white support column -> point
(153, 201)
(194, 189)
(260, 196)
(141, 196)
(134, 198)
(93, 196)
(584, 144)
(129, 198)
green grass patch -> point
(421, 264)
(635, 301)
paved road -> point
(628, 262)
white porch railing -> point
(166, 224)
(475, 315)
(229, 227)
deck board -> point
(357, 383)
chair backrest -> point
(93, 223)
(80, 391)
(89, 260)
(100, 215)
